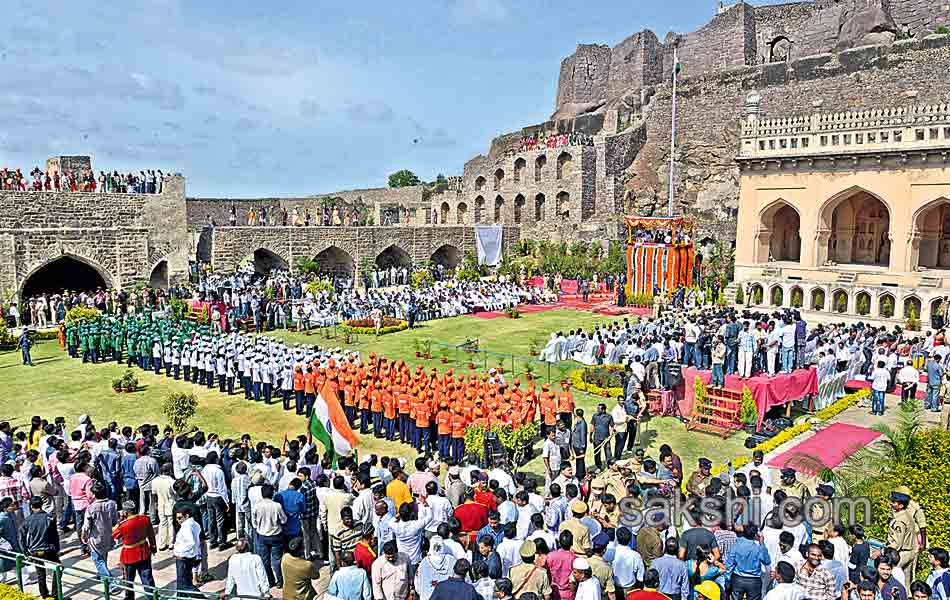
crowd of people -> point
(278, 216)
(54, 180)
(480, 531)
(554, 140)
(659, 235)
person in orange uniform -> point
(402, 403)
(422, 426)
(298, 390)
(349, 400)
(565, 404)
(308, 389)
(376, 407)
(362, 401)
(443, 421)
(389, 414)
(548, 408)
(459, 422)
(138, 546)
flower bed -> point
(366, 326)
(600, 380)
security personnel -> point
(25, 343)
(902, 530)
(696, 485)
(791, 486)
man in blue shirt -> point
(934, 377)
(25, 343)
(294, 504)
(674, 577)
(744, 565)
(456, 588)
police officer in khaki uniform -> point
(902, 530)
(529, 577)
(791, 486)
(825, 492)
(696, 485)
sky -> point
(290, 98)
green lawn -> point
(60, 386)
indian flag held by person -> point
(329, 426)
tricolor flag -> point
(329, 426)
(677, 67)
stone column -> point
(821, 247)
(929, 252)
(843, 248)
(763, 246)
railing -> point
(461, 355)
(891, 129)
(85, 581)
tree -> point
(403, 178)
(179, 408)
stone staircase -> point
(730, 293)
(929, 281)
(847, 278)
(772, 272)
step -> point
(723, 409)
(723, 432)
(847, 278)
(723, 420)
(929, 281)
(772, 272)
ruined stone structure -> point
(93, 239)
(836, 54)
(846, 212)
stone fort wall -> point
(123, 236)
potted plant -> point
(444, 356)
(417, 345)
(501, 366)
(472, 366)
(427, 349)
(117, 385)
(129, 382)
(529, 371)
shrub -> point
(512, 313)
(740, 295)
(925, 475)
(841, 302)
(130, 381)
(818, 300)
(602, 380)
(758, 295)
(750, 412)
(510, 438)
(777, 296)
(421, 279)
(179, 408)
(887, 307)
(7, 340)
(913, 323)
(8, 592)
(864, 305)
(797, 297)
(179, 308)
(367, 327)
(80, 313)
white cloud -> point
(479, 10)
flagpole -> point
(673, 132)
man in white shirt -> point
(269, 517)
(218, 498)
(525, 511)
(627, 563)
(187, 550)
(588, 586)
(551, 455)
(246, 575)
(785, 586)
(504, 480)
(509, 549)
(408, 531)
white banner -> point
(488, 244)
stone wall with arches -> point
(363, 245)
(868, 302)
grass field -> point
(60, 386)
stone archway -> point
(335, 260)
(519, 208)
(448, 256)
(444, 213)
(886, 305)
(393, 256)
(159, 277)
(779, 238)
(479, 183)
(519, 169)
(539, 207)
(265, 260)
(460, 213)
(499, 179)
(499, 209)
(858, 229)
(777, 295)
(66, 272)
(562, 207)
(930, 241)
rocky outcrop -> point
(866, 25)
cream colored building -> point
(846, 212)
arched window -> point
(460, 213)
(499, 209)
(499, 177)
(539, 207)
(519, 206)
(519, 169)
(479, 209)
(539, 164)
(563, 205)
(479, 183)
(564, 165)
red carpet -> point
(601, 308)
(831, 446)
(525, 309)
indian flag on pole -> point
(329, 426)
(676, 65)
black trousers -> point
(621, 441)
(749, 588)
